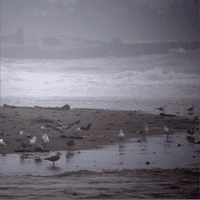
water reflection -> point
(159, 151)
(69, 155)
(121, 147)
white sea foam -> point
(149, 77)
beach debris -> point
(37, 157)
(53, 158)
(190, 109)
(167, 131)
(22, 133)
(147, 163)
(39, 148)
(121, 134)
(57, 122)
(2, 143)
(162, 109)
(143, 131)
(60, 127)
(191, 131)
(86, 128)
(196, 117)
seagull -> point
(190, 109)
(87, 128)
(32, 141)
(167, 131)
(78, 130)
(54, 157)
(144, 130)
(45, 139)
(22, 133)
(2, 143)
(121, 134)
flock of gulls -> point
(30, 142)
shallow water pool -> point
(155, 151)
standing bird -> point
(54, 158)
(167, 131)
(45, 139)
(32, 141)
(121, 134)
(2, 143)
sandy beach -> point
(104, 130)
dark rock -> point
(147, 163)
(65, 107)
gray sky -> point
(104, 20)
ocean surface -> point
(134, 83)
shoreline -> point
(103, 131)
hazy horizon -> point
(103, 20)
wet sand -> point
(119, 184)
(104, 129)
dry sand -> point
(138, 183)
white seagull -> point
(45, 139)
(2, 143)
(167, 131)
(121, 134)
(32, 141)
(78, 130)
